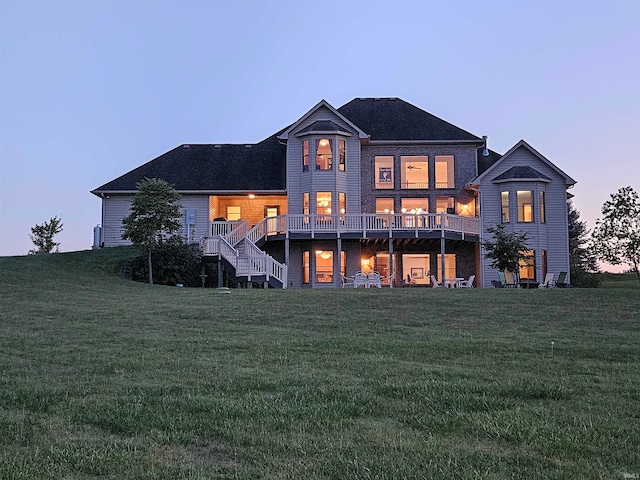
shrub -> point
(173, 262)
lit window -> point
(416, 208)
(305, 266)
(449, 266)
(342, 151)
(233, 213)
(323, 203)
(343, 263)
(384, 205)
(525, 206)
(384, 172)
(445, 205)
(342, 199)
(324, 266)
(541, 203)
(504, 202)
(528, 266)
(305, 203)
(324, 157)
(414, 172)
(444, 171)
(305, 155)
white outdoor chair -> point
(548, 281)
(468, 283)
(373, 280)
(435, 283)
(360, 280)
(347, 282)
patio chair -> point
(468, 283)
(435, 283)
(509, 281)
(548, 281)
(561, 282)
(373, 280)
(360, 280)
(347, 282)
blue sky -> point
(92, 89)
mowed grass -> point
(106, 378)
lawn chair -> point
(360, 280)
(509, 281)
(373, 280)
(435, 283)
(561, 282)
(468, 283)
(347, 282)
(548, 281)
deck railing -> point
(364, 224)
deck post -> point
(442, 249)
(391, 267)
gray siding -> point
(552, 235)
(116, 207)
(312, 181)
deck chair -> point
(373, 280)
(360, 280)
(548, 281)
(468, 283)
(509, 281)
(347, 282)
(435, 283)
(561, 282)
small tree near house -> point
(506, 250)
(154, 217)
(42, 236)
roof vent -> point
(217, 145)
(186, 146)
(485, 151)
(247, 146)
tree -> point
(616, 237)
(506, 249)
(42, 236)
(154, 217)
(582, 261)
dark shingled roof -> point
(213, 167)
(485, 162)
(323, 126)
(395, 119)
(521, 173)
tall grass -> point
(102, 377)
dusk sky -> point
(92, 89)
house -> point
(375, 185)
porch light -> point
(251, 195)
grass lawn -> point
(103, 377)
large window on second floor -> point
(323, 203)
(342, 155)
(384, 171)
(342, 199)
(324, 155)
(445, 205)
(525, 205)
(541, 206)
(444, 171)
(414, 171)
(305, 155)
(305, 203)
(504, 206)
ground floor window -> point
(415, 269)
(528, 266)
(324, 266)
(233, 213)
(449, 266)
(445, 205)
(305, 266)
